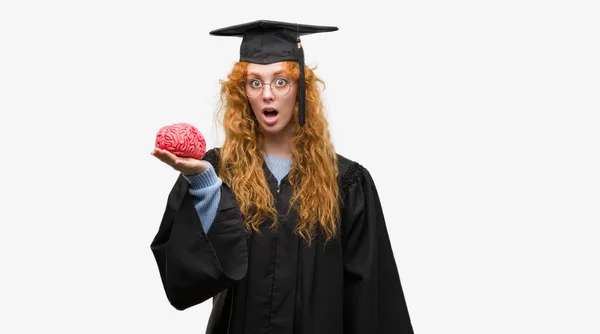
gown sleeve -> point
(194, 265)
(373, 297)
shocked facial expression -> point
(272, 95)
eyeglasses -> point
(279, 87)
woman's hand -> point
(187, 166)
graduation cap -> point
(267, 42)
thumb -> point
(182, 162)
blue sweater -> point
(205, 188)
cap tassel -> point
(301, 85)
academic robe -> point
(273, 282)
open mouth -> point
(270, 116)
(270, 112)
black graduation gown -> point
(273, 282)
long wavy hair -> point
(314, 170)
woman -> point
(285, 235)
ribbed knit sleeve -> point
(205, 189)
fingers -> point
(185, 165)
(166, 153)
(165, 156)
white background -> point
(477, 119)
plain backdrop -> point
(479, 121)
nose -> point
(267, 93)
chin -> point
(276, 129)
(271, 130)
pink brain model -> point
(181, 139)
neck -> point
(278, 145)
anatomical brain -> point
(181, 139)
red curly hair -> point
(314, 171)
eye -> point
(254, 83)
(281, 82)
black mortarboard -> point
(266, 42)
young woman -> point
(284, 234)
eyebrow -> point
(258, 75)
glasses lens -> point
(280, 87)
(253, 87)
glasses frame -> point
(262, 86)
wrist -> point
(204, 179)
